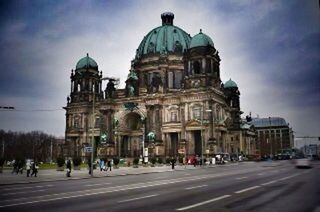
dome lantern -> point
(167, 18)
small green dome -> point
(87, 62)
(163, 39)
(230, 84)
(201, 39)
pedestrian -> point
(68, 168)
(102, 166)
(14, 165)
(89, 166)
(172, 163)
(28, 167)
(20, 167)
(34, 169)
(109, 165)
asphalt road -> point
(263, 186)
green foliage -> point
(153, 160)
(116, 161)
(136, 161)
(60, 162)
(160, 161)
(77, 161)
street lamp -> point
(202, 134)
(93, 122)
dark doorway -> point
(197, 142)
(124, 146)
(174, 144)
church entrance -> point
(197, 142)
(174, 144)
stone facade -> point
(174, 103)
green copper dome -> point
(163, 39)
(230, 84)
(87, 62)
(201, 39)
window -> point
(196, 113)
(174, 116)
(177, 79)
(170, 79)
(76, 122)
(196, 67)
(97, 122)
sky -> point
(271, 49)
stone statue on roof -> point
(132, 75)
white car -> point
(303, 163)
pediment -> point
(193, 123)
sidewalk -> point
(6, 178)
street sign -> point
(88, 149)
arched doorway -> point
(131, 139)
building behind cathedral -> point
(174, 103)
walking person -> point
(102, 165)
(172, 163)
(89, 166)
(34, 169)
(15, 165)
(20, 167)
(28, 167)
(68, 168)
(109, 164)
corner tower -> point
(85, 81)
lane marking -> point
(241, 178)
(203, 203)
(246, 189)
(270, 182)
(138, 198)
(97, 191)
(200, 186)
(97, 184)
(23, 192)
(20, 188)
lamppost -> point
(143, 120)
(202, 134)
(93, 121)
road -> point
(263, 186)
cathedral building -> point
(173, 105)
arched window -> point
(196, 67)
